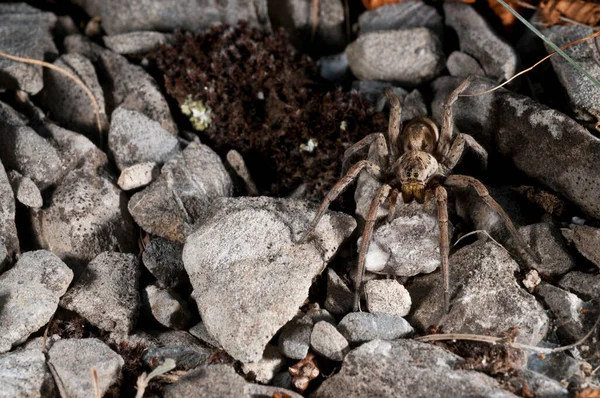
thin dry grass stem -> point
(476, 232)
(506, 341)
(66, 73)
(315, 18)
(144, 379)
(593, 35)
(96, 384)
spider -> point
(418, 164)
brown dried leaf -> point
(585, 12)
(588, 393)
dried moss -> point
(267, 103)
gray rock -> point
(8, 229)
(199, 331)
(405, 15)
(86, 217)
(24, 32)
(294, 339)
(532, 136)
(462, 65)
(106, 294)
(387, 296)
(136, 43)
(586, 286)
(267, 367)
(195, 15)
(406, 368)
(583, 94)
(545, 240)
(359, 327)
(246, 293)
(72, 360)
(75, 149)
(68, 103)
(586, 240)
(476, 38)
(3, 255)
(372, 91)
(340, 299)
(126, 84)
(567, 308)
(334, 68)
(29, 295)
(295, 16)
(182, 347)
(25, 374)
(317, 315)
(167, 307)
(328, 342)
(163, 259)
(542, 385)
(138, 176)
(134, 138)
(177, 202)
(26, 192)
(559, 366)
(409, 57)
(413, 106)
(484, 296)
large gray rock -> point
(134, 138)
(249, 275)
(163, 259)
(25, 374)
(409, 57)
(177, 202)
(406, 368)
(545, 239)
(586, 286)
(29, 295)
(106, 294)
(72, 360)
(586, 240)
(160, 15)
(476, 38)
(484, 297)
(404, 15)
(136, 43)
(264, 370)
(359, 327)
(541, 142)
(8, 228)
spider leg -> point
(395, 124)
(381, 148)
(393, 198)
(380, 197)
(462, 144)
(442, 207)
(338, 188)
(462, 181)
(447, 122)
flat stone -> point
(138, 176)
(106, 294)
(25, 374)
(567, 308)
(267, 367)
(246, 293)
(167, 307)
(484, 297)
(477, 39)
(163, 259)
(328, 342)
(545, 239)
(409, 57)
(340, 299)
(26, 192)
(294, 338)
(462, 65)
(586, 240)
(387, 296)
(72, 359)
(29, 294)
(136, 43)
(134, 138)
(586, 286)
(406, 15)
(406, 368)
(8, 228)
(359, 327)
(177, 202)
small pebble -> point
(359, 327)
(387, 296)
(137, 176)
(328, 342)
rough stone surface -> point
(586, 240)
(136, 43)
(542, 385)
(246, 293)
(3, 255)
(406, 368)
(107, 294)
(167, 307)
(138, 176)
(387, 296)
(545, 239)
(413, 106)
(409, 57)
(29, 295)
(267, 367)
(476, 38)
(163, 259)
(174, 205)
(26, 192)
(72, 360)
(404, 15)
(134, 138)
(159, 15)
(294, 339)
(25, 374)
(326, 341)
(340, 299)
(199, 331)
(541, 142)
(586, 286)
(567, 308)
(182, 347)
(359, 327)
(334, 68)
(462, 65)
(75, 149)
(372, 91)
(8, 228)
(484, 296)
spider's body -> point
(418, 164)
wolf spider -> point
(419, 163)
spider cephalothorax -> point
(418, 164)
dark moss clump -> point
(266, 102)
